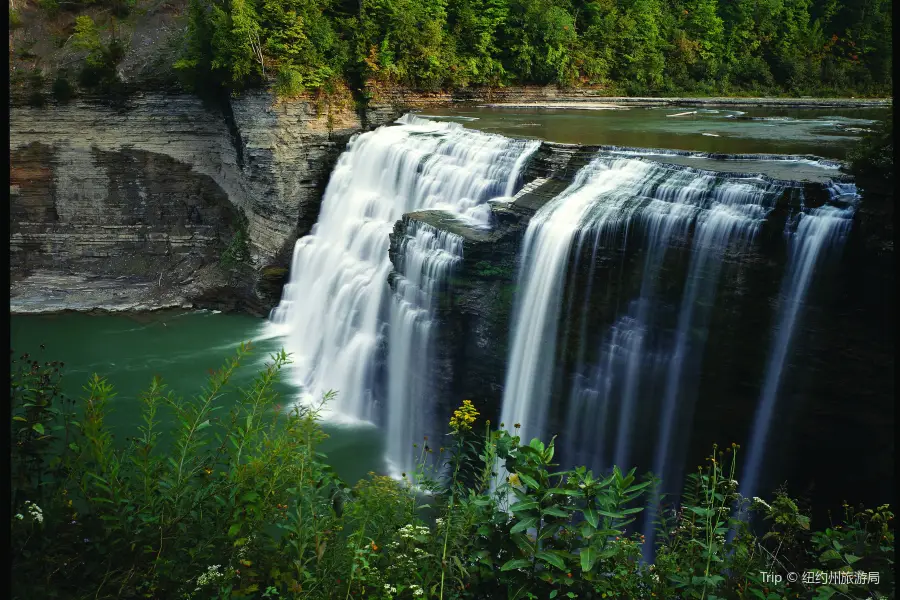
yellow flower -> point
(463, 417)
(514, 479)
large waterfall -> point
(646, 244)
(639, 393)
(611, 199)
(816, 231)
(427, 257)
(334, 312)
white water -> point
(817, 231)
(334, 313)
(732, 220)
(427, 258)
(546, 247)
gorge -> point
(643, 304)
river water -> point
(826, 132)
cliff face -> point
(157, 190)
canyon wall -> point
(150, 195)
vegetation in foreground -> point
(238, 502)
(697, 47)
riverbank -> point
(618, 102)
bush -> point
(288, 83)
(238, 250)
(63, 91)
(871, 161)
(15, 19)
(236, 502)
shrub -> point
(233, 500)
(288, 83)
(872, 159)
(15, 19)
(63, 90)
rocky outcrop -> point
(157, 190)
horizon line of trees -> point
(632, 46)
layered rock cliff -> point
(154, 192)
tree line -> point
(828, 47)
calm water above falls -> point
(826, 132)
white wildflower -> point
(34, 511)
(761, 502)
(212, 574)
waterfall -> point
(545, 256)
(334, 312)
(427, 257)
(817, 230)
(734, 217)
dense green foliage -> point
(631, 46)
(225, 495)
(872, 159)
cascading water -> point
(427, 257)
(545, 255)
(818, 230)
(733, 219)
(334, 310)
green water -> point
(181, 347)
(826, 132)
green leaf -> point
(553, 594)
(850, 558)
(565, 492)
(830, 554)
(590, 515)
(249, 497)
(22, 419)
(524, 524)
(552, 559)
(529, 481)
(234, 529)
(588, 558)
(39, 428)
(523, 506)
(637, 487)
(555, 511)
(203, 425)
(519, 563)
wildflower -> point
(463, 417)
(34, 511)
(514, 479)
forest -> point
(654, 47)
